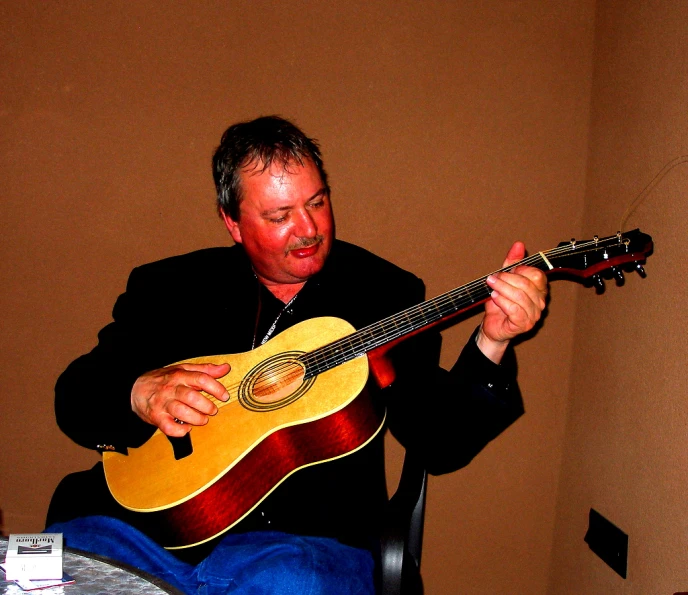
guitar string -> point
(419, 313)
(414, 316)
(327, 351)
(287, 371)
(336, 353)
(295, 370)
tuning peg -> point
(640, 270)
(618, 273)
(599, 283)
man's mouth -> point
(305, 252)
(306, 248)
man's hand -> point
(160, 396)
(516, 303)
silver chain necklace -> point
(273, 326)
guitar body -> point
(275, 422)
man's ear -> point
(232, 227)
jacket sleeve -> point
(448, 417)
(92, 396)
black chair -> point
(402, 536)
(400, 543)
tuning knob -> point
(599, 283)
(640, 270)
(618, 273)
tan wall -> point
(449, 129)
(626, 445)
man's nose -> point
(305, 225)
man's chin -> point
(305, 268)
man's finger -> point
(514, 287)
(214, 370)
(190, 414)
(171, 428)
(516, 252)
(202, 377)
(517, 297)
(190, 398)
(526, 283)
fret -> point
(469, 295)
(430, 316)
(405, 315)
(452, 298)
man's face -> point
(285, 224)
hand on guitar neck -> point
(515, 305)
(170, 398)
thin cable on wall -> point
(656, 180)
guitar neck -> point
(582, 259)
(408, 321)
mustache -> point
(306, 242)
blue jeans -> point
(242, 564)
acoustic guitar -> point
(300, 400)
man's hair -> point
(260, 142)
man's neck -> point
(284, 292)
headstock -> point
(592, 258)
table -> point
(95, 575)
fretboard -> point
(587, 258)
(406, 322)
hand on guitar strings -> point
(515, 305)
(170, 398)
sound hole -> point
(276, 382)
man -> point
(286, 267)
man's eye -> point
(317, 204)
(278, 219)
